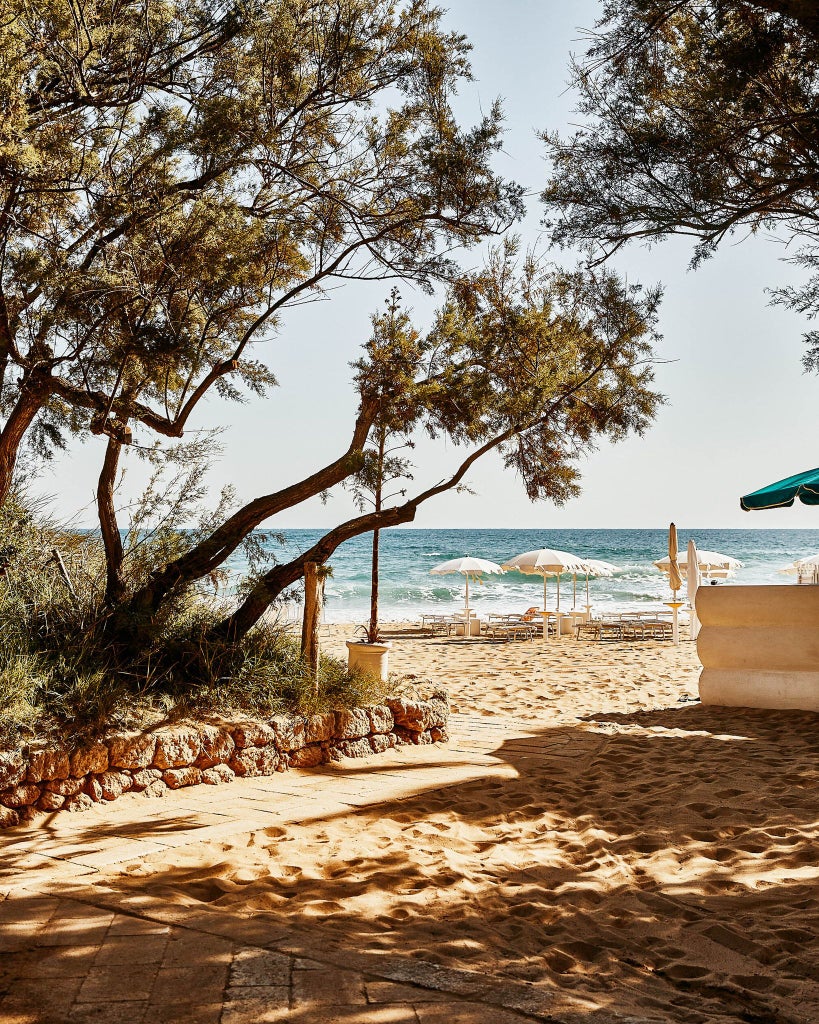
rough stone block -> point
(409, 714)
(8, 817)
(79, 802)
(12, 768)
(88, 760)
(308, 757)
(320, 728)
(93, 788)
(438, 712)
(176, 747)
(218, 774)
(176, 778)
(113, 784)
(65, 787)
(404, 736)
(20, 796)
(50, 801)
(251, 761)
(420, 715)
(157, 788)
(290, 732)
(131, 750)
(381, 720)
(382, 741)
(351, 724)
(144, 777)
(252, 734)
(46, 764)
(439, 735)
(217, 746)
(354, 748)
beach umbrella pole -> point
(545, 616)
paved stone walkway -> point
(75, 950)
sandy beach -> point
(644, 856)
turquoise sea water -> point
(407, 588)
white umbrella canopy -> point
(596, 567)
(710, 563)
(546, 562)
(469, 567)
(807, 567)
(797, 563)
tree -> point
(702, 119)
(173, 176)
(386, 373)
(533, 362)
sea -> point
(407, 589)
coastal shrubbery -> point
(61, 671)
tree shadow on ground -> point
(659, 864)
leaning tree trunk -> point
(313, 603)
(111, 539)
(29, 403)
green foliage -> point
(172, 175)
(60, 672)
(545, 360)
(701, 120)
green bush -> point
(61, 672)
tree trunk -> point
(212, 552)
(313, 603)
(372, 632)
(31, 400)
(111, 539)
(269, 586)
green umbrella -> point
(782, 494)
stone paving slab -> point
(76, 951)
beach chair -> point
(602, 628)
(510, 628)
(438, 624)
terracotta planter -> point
(371, 658)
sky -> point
(740, 411)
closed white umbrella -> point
(469, 567)
(546, 562)
(674, 578)
(693, 580)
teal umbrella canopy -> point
(783, 493)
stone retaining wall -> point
(42, 778)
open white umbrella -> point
(470, 568)
(546, 562)
(596, 567)
(692, 582)
(804, 567)
(711, 564)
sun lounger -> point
(434, 623)
(603, 628)
(507, 628)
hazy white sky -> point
(740, 414)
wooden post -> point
(58, 558)
(313, 602)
